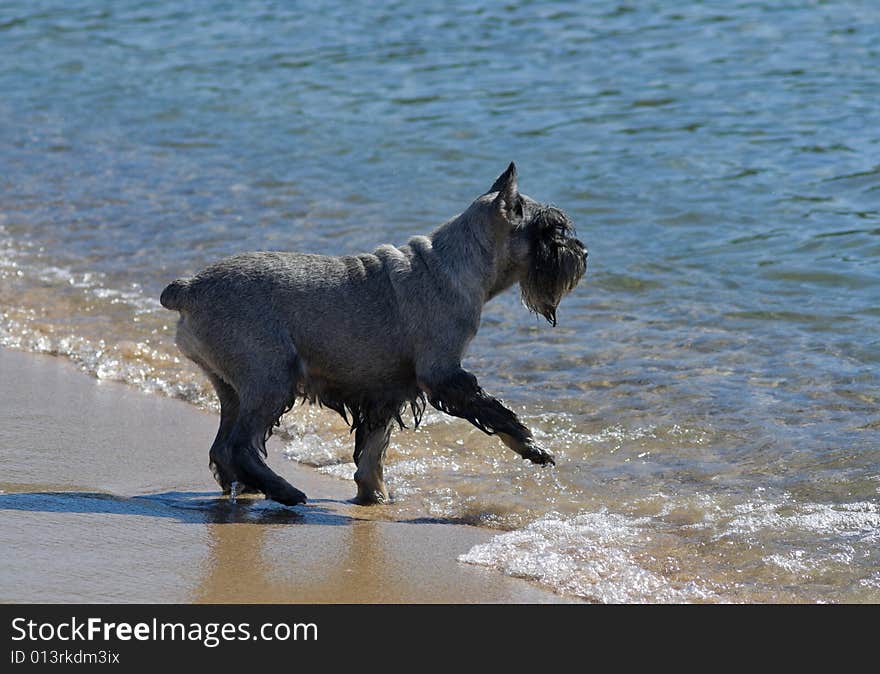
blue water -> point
(720, 159)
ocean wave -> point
(133, 363)
(611, 557)
(859, 521)
(595, 556)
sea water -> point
(711, 391)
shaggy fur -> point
(369, 335)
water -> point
(711, 392)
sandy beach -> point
(106, 497)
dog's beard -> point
(556, 266)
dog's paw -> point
(371, 495)
(289, 496)
(372, 498)
(539, 456)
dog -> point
(369, 336)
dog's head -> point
(536, 245)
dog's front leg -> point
(371, 443)
(459, 394)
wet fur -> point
(372, 336)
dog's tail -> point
(174, 295)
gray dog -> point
(369, 335)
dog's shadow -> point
(184, 507)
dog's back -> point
(250, 306)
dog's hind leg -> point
(458, 393)
(371, 443)
(255, 387)
(259, 409)
(220, 457)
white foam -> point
(593, 555)
(858, 520)
(312, 448)
(343, 471)
(106, 362)
(872, 581)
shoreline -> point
(106, 497)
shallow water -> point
(711, 391)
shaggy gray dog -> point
(369, 335)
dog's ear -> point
(504, 179)
(508, 202)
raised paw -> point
(539, 456)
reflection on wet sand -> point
(265, 562)
(201, 547)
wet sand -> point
(106, 497)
